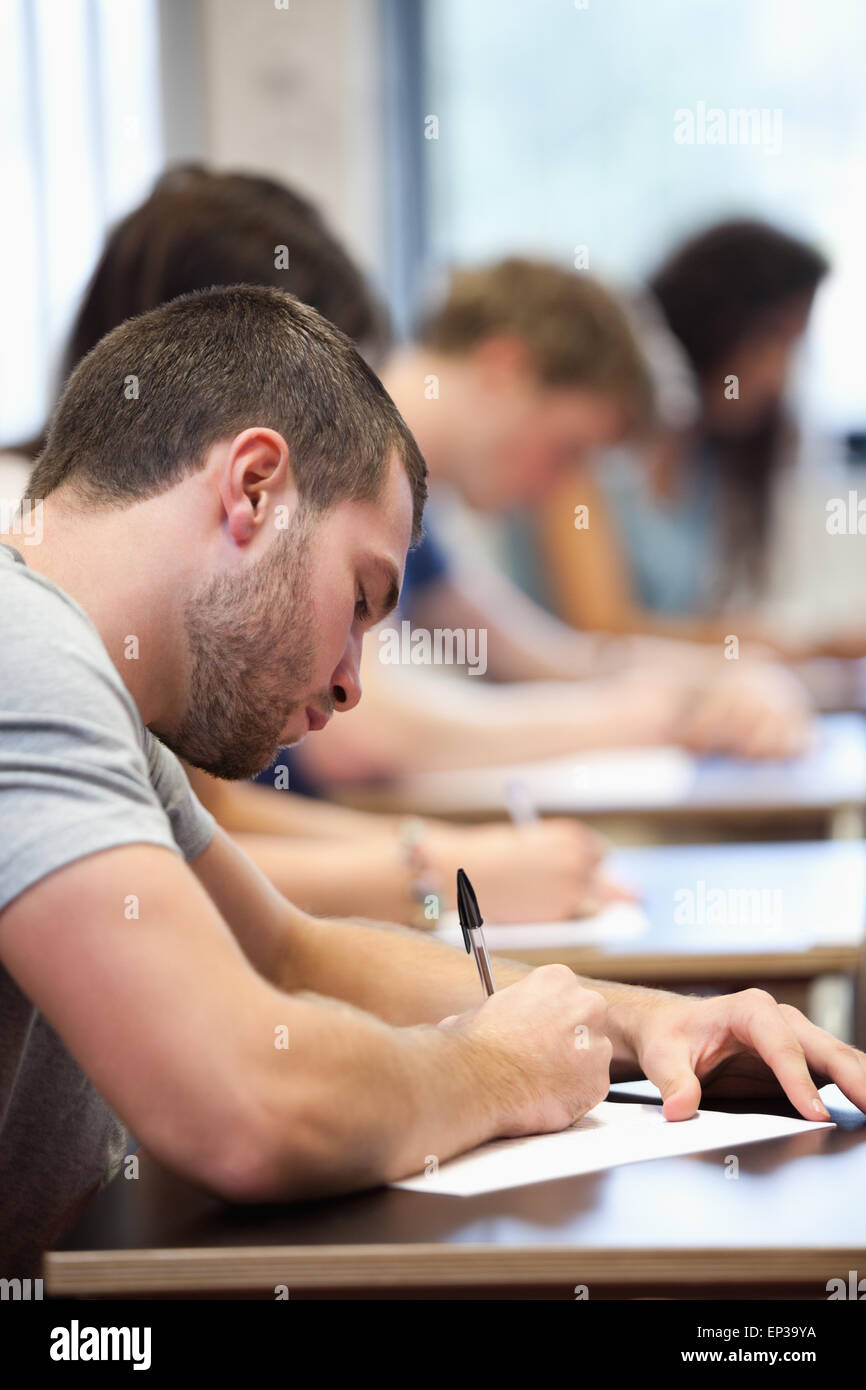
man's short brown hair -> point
(145, 405)
(577, 333)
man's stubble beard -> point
(252, 656)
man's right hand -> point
(544, 1051)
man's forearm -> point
(347, 1102)
(424, 724)
(405, 978)
(396, 973)
(534, 645)
(329, 880)
(245, 808)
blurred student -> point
(521, 370)
(707, 529)
(534, 366)
(197, 229)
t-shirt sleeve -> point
(74, 775)
(193, 827)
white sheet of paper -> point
(834, 914)
(835, 1100)
(618, 921)
(634, 778)
(609, 1135)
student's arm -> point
(180, 1032)
(549, 871)
(592, 588)
(587, 569)
(412, 720)
(849, 645)
(527, 643)
(593, 594)
(420, 721)
(524, 641)
(253, 809)
(738, 1043)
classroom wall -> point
(294, 93)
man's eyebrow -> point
(392, 579)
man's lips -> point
(315, 719)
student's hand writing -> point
(548, 871)
(543, 1050)
(736, 1044)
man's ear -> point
(256, 469)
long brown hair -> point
(715, 291)
(199, 229)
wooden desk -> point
(678, 1227)
(827, 787)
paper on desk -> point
(607, 779)
(611, 1134)
(835, 1100)
(632, 778)
(618, 921)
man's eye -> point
(361, 610)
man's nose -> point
(346, 680)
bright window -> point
(557, 129)
(80, 142)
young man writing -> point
(228, 499)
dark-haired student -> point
(197, 593)
(716, 525)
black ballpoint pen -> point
(473, 936)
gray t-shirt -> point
(79, 773)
